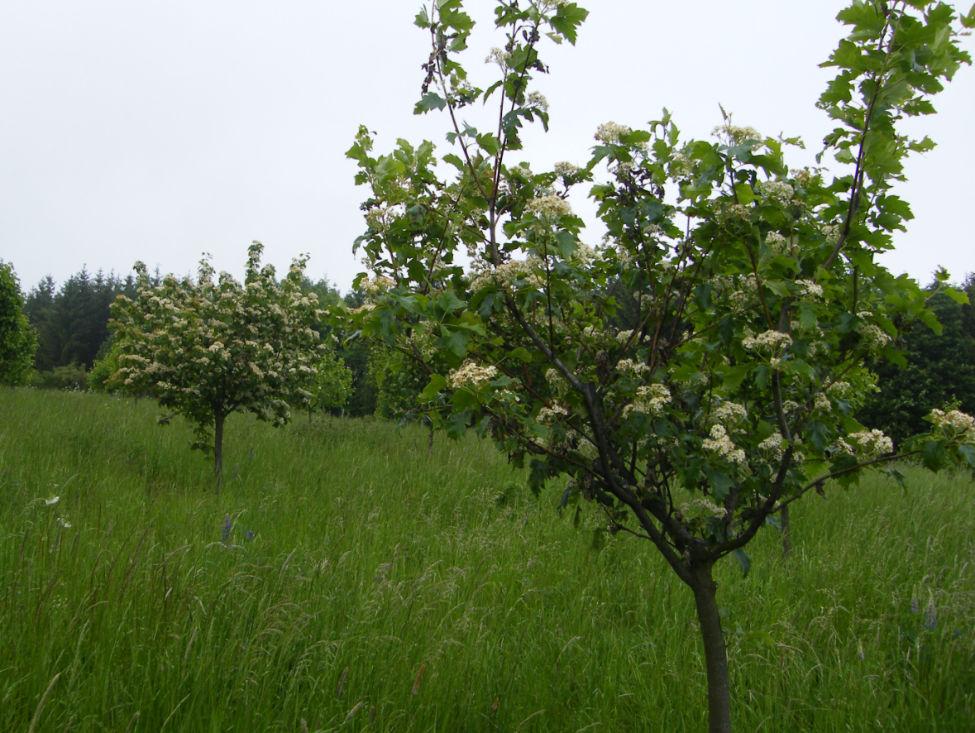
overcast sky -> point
(160, 129)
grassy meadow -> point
(346, 578)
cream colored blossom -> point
(736, 134)
(778, 191)
(564, 169)
(650, 399)
(871, 443)
(954, 424)
(810, 288)
(774, 445)
(471, 374)
(611, 132)
(773, 341)
(549, 207)
(721, 445)
(730, 413)
(874, 336)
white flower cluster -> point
(633, 368)
(702, 506)
(810, 288)
(874, 336)
(871, 443)
(538, 101)
(549, 207)
(720, 444)
(774, 445)
(499, 57)
(774, 341)
(471, 374)
(651, 399)
(729, 214)
(840, 389)
(506, 274)
(611, 132)
(954, 424)
(564, 169)
(377, 285)
(779, 192)
(730, 413)
(551, 415)
(736, 134)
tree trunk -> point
(786, 539)
(218, 448)
(715, 654)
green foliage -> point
(71, 377)
(18, 341)
(210, 347)
(760, 300)
(106, 366)
(333, 383)
(938, 369)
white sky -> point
(159, 129)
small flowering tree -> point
(214, 346)
(699, 371)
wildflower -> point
(52, 500)
(822, 403)
(64, 522)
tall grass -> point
(348, 579)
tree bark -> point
(715, 653)
(218, 448)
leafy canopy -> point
(701, 367)
(208, 347)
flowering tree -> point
(18, 342)
(698, 371)
(213, 346)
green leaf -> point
(434, 387)
(567, 20)
(744, 193)
(429, 101)
(721, 484)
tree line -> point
(70, 323)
